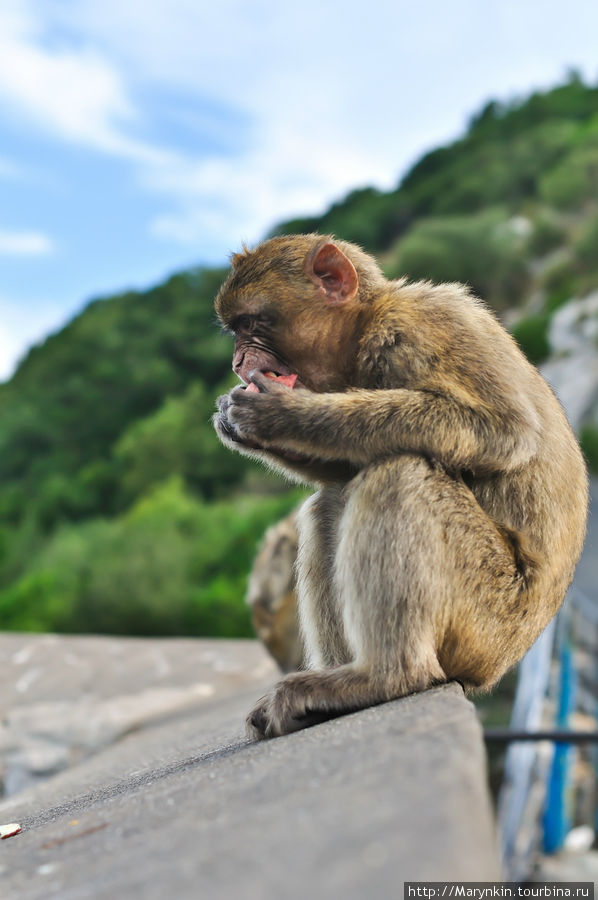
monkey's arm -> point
(299, 468)
(362, 426)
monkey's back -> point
(442, 333)
(546, 499)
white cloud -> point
(9, 350)
(271, 182)
(301, 146)
(22, 324)
(25, 243)
(82, 95)
(75, 94)
(334, 97)
(308, 101)
(328, 98)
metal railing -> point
(556, 705)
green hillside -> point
(517, 194)
(119, 510)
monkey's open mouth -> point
(288, 380)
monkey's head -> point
(296, 304)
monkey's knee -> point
(321, 511)
(389, 479)
(383, 504)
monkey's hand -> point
(260, 418)
(301, 468)
(225, 428)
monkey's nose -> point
(238, 360)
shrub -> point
(560, 283)
(574, 181)
(178, 439)
(482, 250)
(548, 234)
(171, 565)
(588, 439)
(531, 333)
(586, 247)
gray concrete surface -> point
(158, 792)
(62, 698)
(188, 808)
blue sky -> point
(137, 138)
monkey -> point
(450, 494)
(271, 594)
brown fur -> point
(271, 594)
(452, 495)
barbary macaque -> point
(271, 594)
(451, 494)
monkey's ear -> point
(333, 273)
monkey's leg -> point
(423, 575)
(318, 604)
(362, 574)
(431, 586)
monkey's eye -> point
(244, 323)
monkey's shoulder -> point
(421, 329)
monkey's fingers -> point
(223, 403)
(257, 724)
(227, 429)
(224, 427)
(284, 710)
(260, 723)
(238, 395)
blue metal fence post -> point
(556, 820)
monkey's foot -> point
(303, 699)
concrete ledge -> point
(187, 808)
(63, 698)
